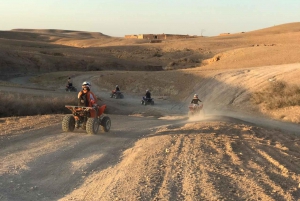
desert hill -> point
(30, 50)
(278, 29)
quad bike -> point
(87, 118)
(116, 94)
(147, 101)
(70, 88)
(195, 109)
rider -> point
(196, 100)
(70, 82)
(86, 97)
(117, 88)
(148, 94)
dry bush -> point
(278, 95)
(15, 104)
(52, 53)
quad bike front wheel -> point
(92, 126)
(105, 124)
(68, 123)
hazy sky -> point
(121, 17)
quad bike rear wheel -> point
(68, 123)
(105, 124)
(92, 126)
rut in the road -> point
(203, 161)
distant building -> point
(159, 36)
(224, 34)
(131, 36)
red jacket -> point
(91, 98)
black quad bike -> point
(71, 88)
(147, 101)
(116, 94)
(81, 117)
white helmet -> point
(85, 83)
(195, 95)
(117, 86)
(147, 90)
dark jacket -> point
(195, 101)
(148, 94)
(70, 83)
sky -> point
(125, 17)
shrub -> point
(16, 104)
(52, 53)
(278, 95)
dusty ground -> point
(151, 153)
(233, 151)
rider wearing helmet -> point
(69, 82)
(148, 94)
(195, 100)
(117, 88)
(86, 97)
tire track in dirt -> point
(199, 161)
(205, 161)
(242, 180)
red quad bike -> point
(88, 118)
(195, 109)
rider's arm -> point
(79, 94)
(93, 98)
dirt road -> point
(151, 153)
